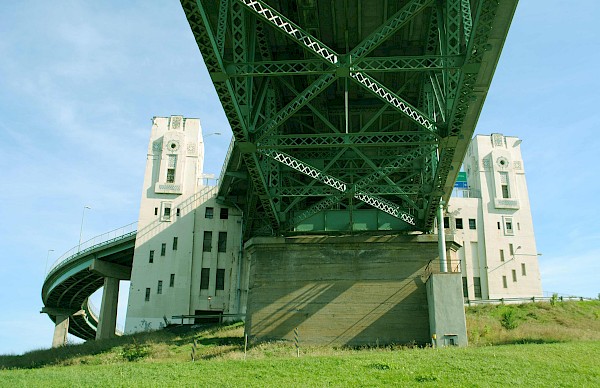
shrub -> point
(509, 319)
(554, 299)
(135, 351)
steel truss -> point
(320, 121)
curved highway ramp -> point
(101, 261)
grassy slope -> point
(568, 361)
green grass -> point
(545, 346)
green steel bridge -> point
(347, 115)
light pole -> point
(47, 257)
(81, 228)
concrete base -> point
(60, 331)
(447, 322)
(107, 322)
(351, 290)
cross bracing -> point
(347, 105)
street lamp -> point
(212, 133)
(81, 228)
(47, 257)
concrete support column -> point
(60, 331)
(107, 322)
(441, 238)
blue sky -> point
(80, 81)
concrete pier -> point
(113, 273)
(342, 290)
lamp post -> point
(47, 257)
(81, 228)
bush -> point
(509, 319)
(135, 351)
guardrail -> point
(95, 312)
(226, 162)
(111, 236)
(533, 299)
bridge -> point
(347, 114)
(77, 274)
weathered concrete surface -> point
(345, 290)
(447, 322)
(61, 329)
(107, 322)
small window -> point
(514, 275)
(204, 278)
(465, 287)
(167, 213)
(459, 223)
(477, 287)
(222, 245)
(159, 287)
(511, 249)
(207, 242)
(174, 243)
(224, 213)
(501, 254)
(172, 280)
(523, 269)
(155, 211)
(170, 175)
(472, 224)
(446, 222)
(147, 299)
(504, 282)
(163, 249)
(178, 211)
(208, 212)
(509, 227)
(220, 285)
(505, 193)
(499, 227)
(151, 257)
(518, 226)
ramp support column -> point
(113, 273)
(60, 331)
(107, 322)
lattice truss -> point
(342, 104)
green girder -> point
(308, 140)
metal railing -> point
(532, 299)
(433, 267)
(95, 313)
(188, 205)
(226, 162)
(104, 238)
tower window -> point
(204, 278)
(511, 249)
(178, 212)
(446, 222)
(174, 243)
(220, 284)
(159, 287)
(504, 282)
(504, 184)
(172, 280)
(514, 275)
(523, 269)
(155, 211)
(147, 298)
(472, 224)
(477, 287)
(501, 254)
(207, 242)
(459, 223)
(465, 287)
(170, 175)
(167, 212)
(151, 257)
(224, 213)
(163, 249)
(222, 245)
(208, 212)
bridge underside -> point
(347, 114)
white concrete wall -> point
(188, 201)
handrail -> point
(111, 236)
(531, 299)
(95, 313)
(226, 162)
